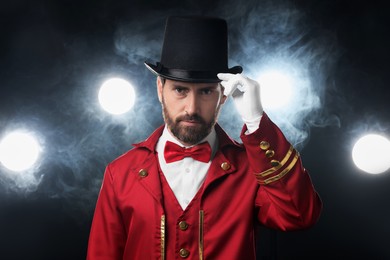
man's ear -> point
(159, 88)
(224, 97)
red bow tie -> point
(174, 152)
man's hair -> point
(162, 80)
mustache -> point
(193, 118)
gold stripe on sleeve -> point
(284, 172)
(274, 169)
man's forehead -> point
(192, 84)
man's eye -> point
(180, 90)
(206, 91)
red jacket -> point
(262, 179)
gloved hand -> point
(246, 96)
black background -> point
(55, 54)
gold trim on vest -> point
(162, 231)
(201, 221)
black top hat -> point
(195, 49)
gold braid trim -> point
(284, 172)
(274, 169)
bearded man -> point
(189, 190)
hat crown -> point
(195, 49)
(195, 43)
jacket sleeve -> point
(107, 236)
(286, 199)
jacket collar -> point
(152, 183)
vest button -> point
(183, 225)
(143, 173)
(184, 253)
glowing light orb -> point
(116, 96)
(276, 89)
(371, 153)
(19, 151)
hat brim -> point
(190, 76)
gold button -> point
(184, 253)
(225, 166)
(264, 145)
(183, 225)
(143, 173)
(269, 153)
(275, 163)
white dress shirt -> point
(185, 177)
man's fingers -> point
(233, 83)
(228, 89)
(224, 76)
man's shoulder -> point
(139, 153)
(133, 154)
(128, 163)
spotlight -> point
(371, 153)
(19, 151)
(276, 89)
(116, 96)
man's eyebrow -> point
(209, 87)
(178, 85)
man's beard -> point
(188, 134)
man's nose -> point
(192, 106)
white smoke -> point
(276, 35)
(80, 139)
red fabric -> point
(174, 152)
(176, 238)
(127, 219)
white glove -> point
(246, 96)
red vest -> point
(182, 228)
